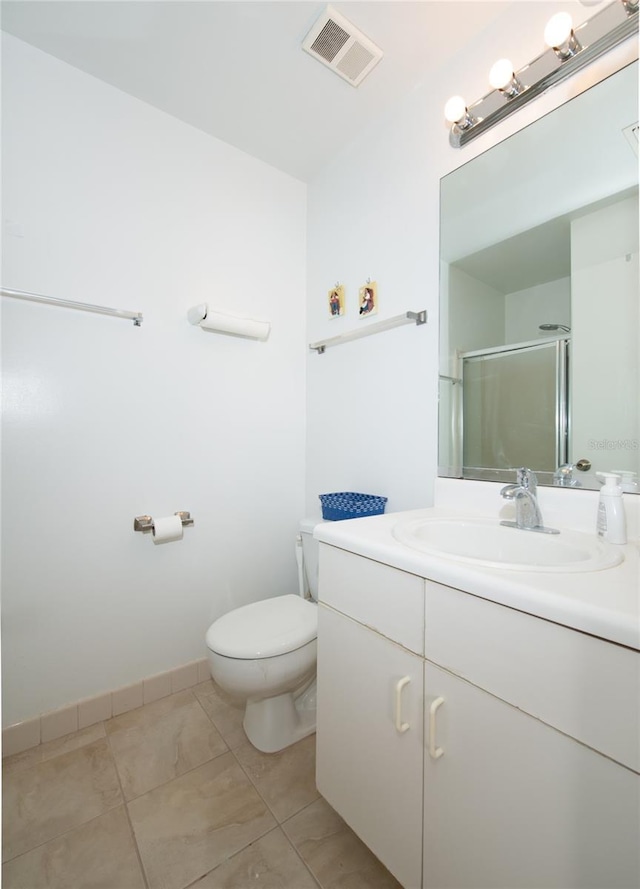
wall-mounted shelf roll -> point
(203, 317)
(399, 320)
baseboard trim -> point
(56, 723)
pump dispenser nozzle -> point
(611, 479)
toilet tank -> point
(310, 548)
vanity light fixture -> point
(568, 50)
(502, 77)
(560, 36)
(456, 111)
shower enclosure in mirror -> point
(514, 406)
(539, 316)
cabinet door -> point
(512, 803)
(370, 740)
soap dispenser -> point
(611, 524)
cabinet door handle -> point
(400, 725)
(435, 752)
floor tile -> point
(269, 863)
(160, 741)
(286, 780)
(332, 851)
(98, 855)
(51, 749)
(226, 712)
(55, 796)
(187, 827)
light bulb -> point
(559, 29)
(455, 109)
(502, 77)
(501, 74)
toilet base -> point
(272, 724)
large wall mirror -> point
(539, 314)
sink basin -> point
(487, 543)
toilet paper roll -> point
(167, 528)
(258, 330)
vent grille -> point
(336, 43)
(330, 41)
(354, 61)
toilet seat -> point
(264, 629)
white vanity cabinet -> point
(527, 769)
(513, 803)
(537, 784)
(370, 744)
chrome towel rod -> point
(136, 317)
(398, 321)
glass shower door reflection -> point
(515, 410)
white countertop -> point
(603, 603)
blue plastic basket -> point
(347, 505)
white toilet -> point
(266, 652)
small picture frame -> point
(368, 299)
(336, 302)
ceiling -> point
(235, 68)
(530, 258)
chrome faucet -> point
(524, 494)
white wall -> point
(473, 319)
(366, 220)
(605, 287)
(476, 314)
(526, 310)
(481, 316)
(372, 405)
(109, 201)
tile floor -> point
(173, 795)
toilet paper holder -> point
(145, 522)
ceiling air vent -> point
(335, 42)
(632, 134)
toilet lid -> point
(264, 629)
